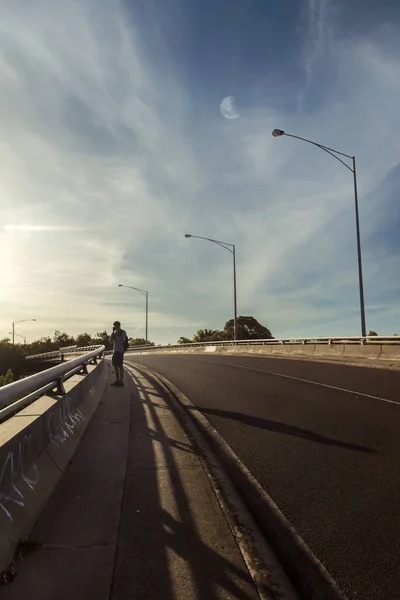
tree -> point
(7, 378)
(103, 338)
(248, 328)
(208, 335)
(140, 342)
(219, 336)
(184, 340)
(11, 357)
(372, 333)
(44, 344)
(83, 340)
(63, 339)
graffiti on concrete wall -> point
(19, 472)
(18, 475)
(63, 421)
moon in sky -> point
(228, 108)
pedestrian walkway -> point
(135, 516)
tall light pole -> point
(145, 293)
(336, 154)
(14, 323)
(21, 336)
(230, 248)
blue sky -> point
(113, 146)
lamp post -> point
(14, 323)
(145, 293)
(21, 336)
(336, 154)
(231, 248)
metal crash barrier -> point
(327, 341)
(16, 395)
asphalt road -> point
(324, 442)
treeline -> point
(248, 328)
(12, 355)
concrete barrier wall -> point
(301, 349)
(36, 446)
(390, 352)
(330, 350)
(379, 352)
(367, 351)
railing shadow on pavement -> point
(174, 443)
(149, 549)
(284, 428)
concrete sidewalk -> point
(135, 516)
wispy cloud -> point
(316, 41)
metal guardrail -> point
(132, 348)
(16, 395)
(351, 340)
(61, 351)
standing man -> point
(120, 345)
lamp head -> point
(278, 132)
(188, 235)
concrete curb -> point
(36, 445)
(310, 578)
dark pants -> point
(118, 359)
(118, 364)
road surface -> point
(324, 441)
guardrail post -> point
(84, 370)
(60, 391)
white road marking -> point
(332, 387)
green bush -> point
(7, 378)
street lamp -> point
(145, 293)
(230, 248)
(16, 323)
(21, 336)
(336, 154)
